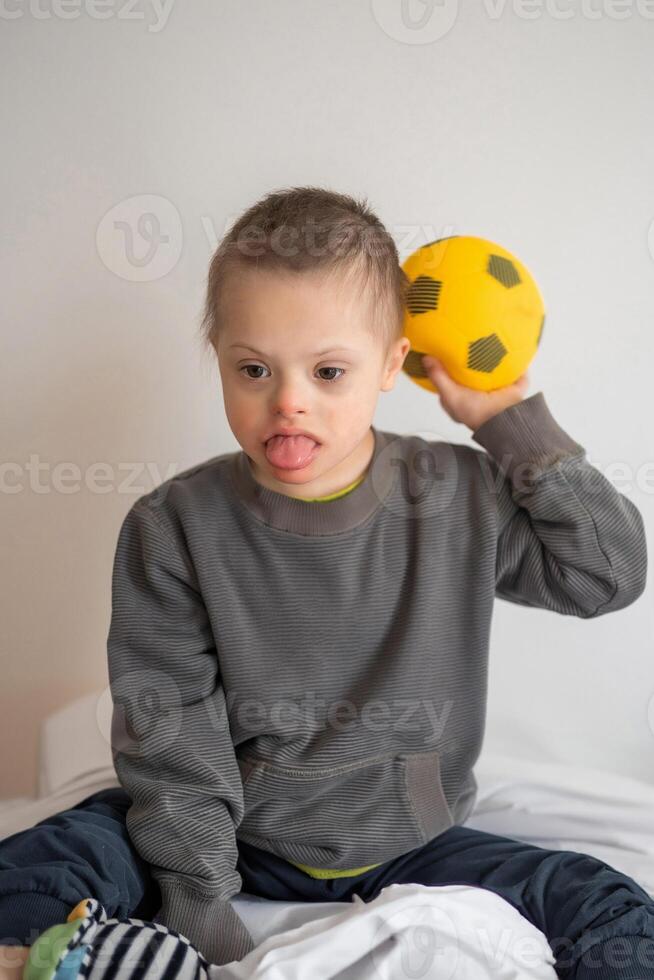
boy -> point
(299, 637)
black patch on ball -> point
(437, 240)
(413, 364)
(503, 270)
(486, 353)
(422, 295)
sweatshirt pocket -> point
(348, 815)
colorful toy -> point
(475, 307)
(90, 946)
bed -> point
(455, 932)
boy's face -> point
(289, 320)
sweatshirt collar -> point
(317, 517)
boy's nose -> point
(289, 402)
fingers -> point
(434, 368)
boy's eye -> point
(342, 370)
(258, 367)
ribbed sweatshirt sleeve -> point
(568, 541)
(171, 742)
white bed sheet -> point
(450, 932)
(550, 805)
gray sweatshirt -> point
(311, 677)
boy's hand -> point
(12, 961)
(467, 405)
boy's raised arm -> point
(171, 741)
(568, 541)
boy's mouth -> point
(291, 452)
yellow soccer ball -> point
(475, 307)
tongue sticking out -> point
(289, 452)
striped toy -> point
(92, 946)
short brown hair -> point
(347, 238)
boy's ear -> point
(396, 358)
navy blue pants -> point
(598, 921)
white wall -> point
(529, 125)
